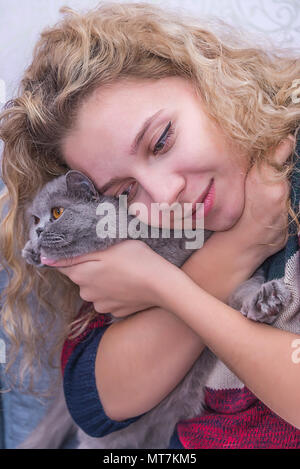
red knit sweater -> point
(234, 417)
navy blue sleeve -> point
(81, 394)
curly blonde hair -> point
(245, 88)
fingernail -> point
(45, 260)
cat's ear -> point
(80, 184)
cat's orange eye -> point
(36, 220)
(56, 212)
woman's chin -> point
(223, 222)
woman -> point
(219, 112)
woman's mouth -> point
(208, 200)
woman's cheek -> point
(234, 213)
(146, 212)
(227, 210)
(237, 200)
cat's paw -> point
(268, 303)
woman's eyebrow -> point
(134, 146)
(140, 135)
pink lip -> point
(202, 196)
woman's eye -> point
(162, 143)
(164, 139)
(57, 212)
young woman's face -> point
(181, 157)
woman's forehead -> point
(126, 94)
(113, 118)
(119, 110)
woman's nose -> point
(163, 187)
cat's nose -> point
(39, 231)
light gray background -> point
(22, 20)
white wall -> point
(22, 20)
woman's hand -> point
(259, 233)
(121, 279)
(263, 224)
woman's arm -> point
(260, 355)
(147, 354)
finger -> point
(78, 274)
(279, 156)
(91, 256)
(99, 308)
(284, 149)
(65, 270)
(73, 275)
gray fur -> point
(74, 233)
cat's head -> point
(62, 214)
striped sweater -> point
(234, 417)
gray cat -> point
(62, 223)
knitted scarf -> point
(275, 266)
